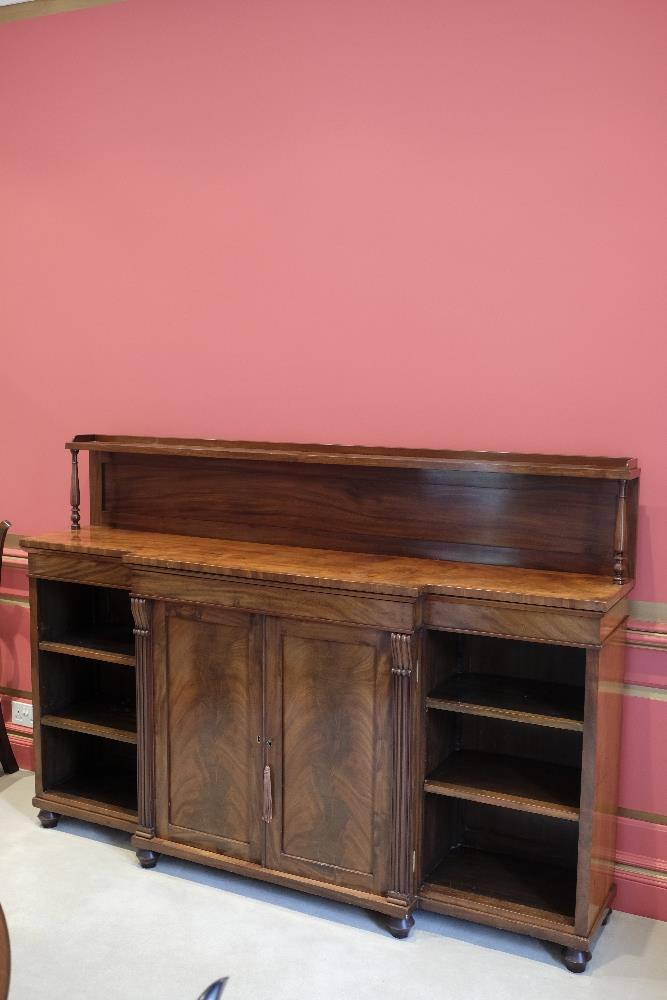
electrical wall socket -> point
(22, 713)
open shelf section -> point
(471, 877)
(509, 782)
(87, 772)
(87, 621)
(110, 723)
(110, 648)
(88, 696)
(517, 866)
(99, 790)
(559, 706)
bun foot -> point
(48, 819)
(574, 960)
(147, 859)
(400, 927)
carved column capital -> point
(401, 653)
(141, 613)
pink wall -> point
(426, 223)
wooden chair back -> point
(7, 758)
(4, 528)
(4, 958)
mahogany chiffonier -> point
(388, 677)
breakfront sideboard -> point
(387, 677)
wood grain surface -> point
(510, 782)
(545, 512)
(597, 841)
(329, 723)
(581, 465)
(142, 619)
(208, 683)
(391, 575)
(565, 524)
(525, 700)
(303, 601)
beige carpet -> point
(87, 922)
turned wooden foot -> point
(574, 960)
(48, 819)
(400, 927)
(147, 859)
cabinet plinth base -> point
(49, 820)
(575, 960)
(250, 869)
(147, 859)
(400, 927)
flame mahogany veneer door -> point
(328, 720)
(208, 677)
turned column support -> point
(142, 612)
(620, 535)
(74, 492)
(402, 874)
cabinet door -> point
(208, 677)
(329, 725)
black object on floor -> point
(7, 758)
(214, 991)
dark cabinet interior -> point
(86, 618)
(92, 771)
(503, 768)
(493, 854)
(87, 696)
(89, 691)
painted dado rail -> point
(469, 562)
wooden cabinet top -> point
(392, 575)
(533, 529)
(362, 455)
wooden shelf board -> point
(558, 706)
(508, 782)
(482, 880)
(598, 467)
(109, 647)
(87, 810)
(108, 723)
(114, 793)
